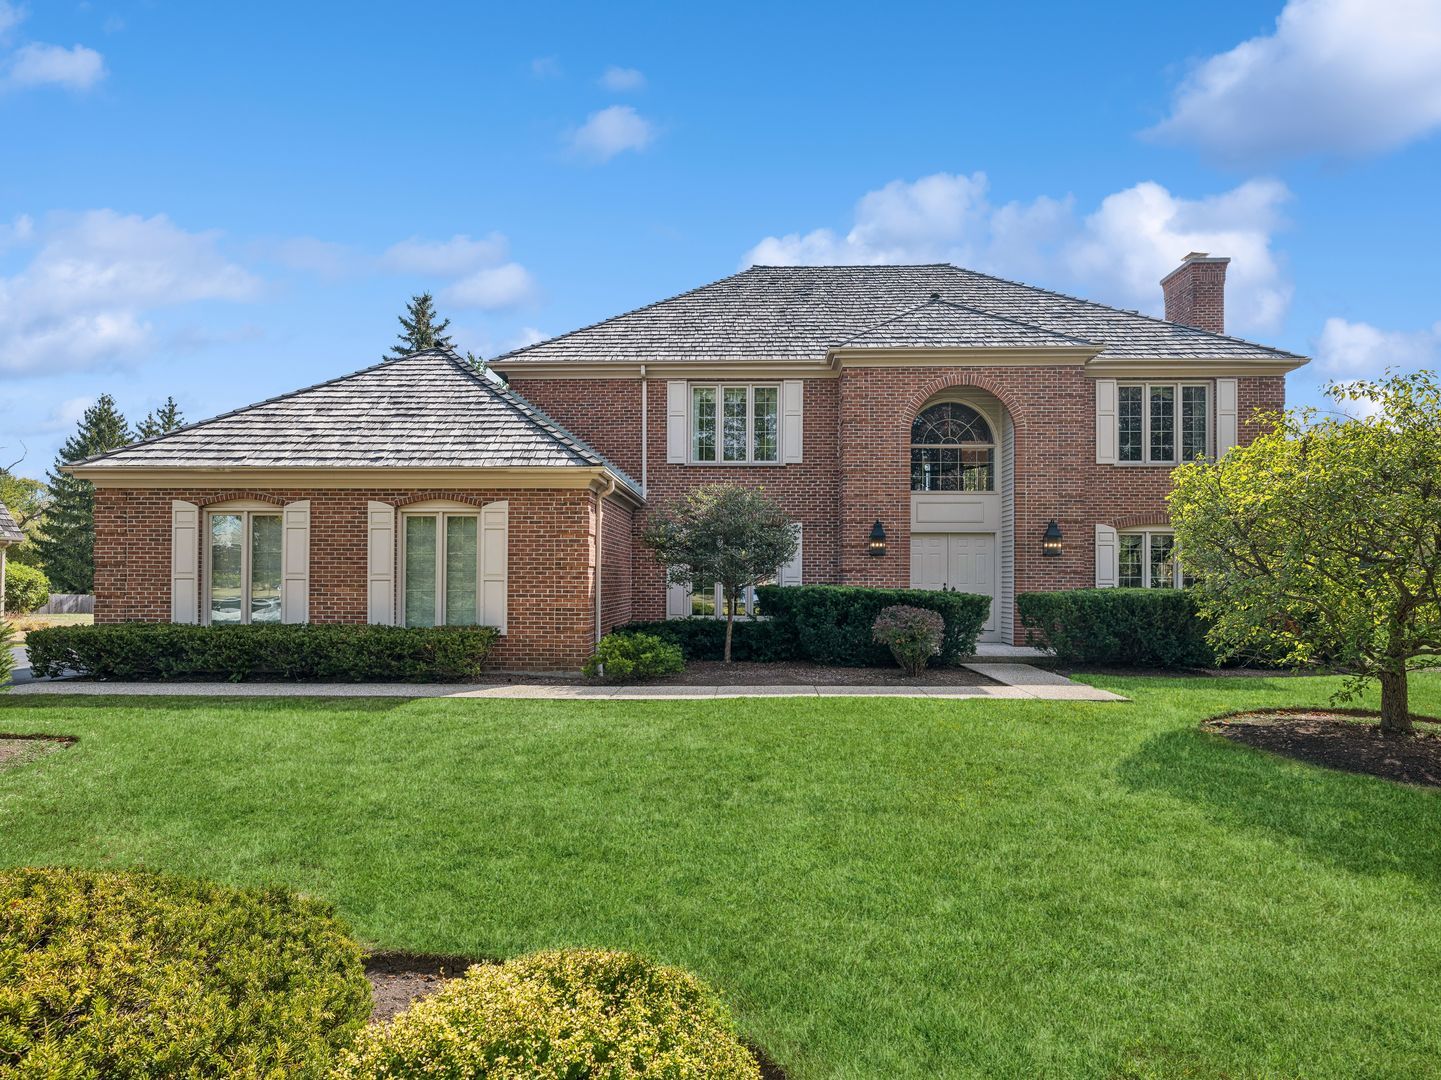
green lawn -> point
(882, 887)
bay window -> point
(735, 424)
(1162, 423)
(244, 554)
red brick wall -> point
(1195, 294)
(617, 525)
(550, 605)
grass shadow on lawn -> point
(1360, 823)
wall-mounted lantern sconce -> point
(1051, 541)
(878, 539)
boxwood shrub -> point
(704, 638)
(578, 1014)
(621, 656)
(328, 652)
(139, 975)
(1131, 627)
(831, 624)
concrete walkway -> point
(1016, 681)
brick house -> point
(926, 426)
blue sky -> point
(225, 202)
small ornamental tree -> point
(1321, 540)
(732, 535)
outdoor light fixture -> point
(1051, 542)
(878, 539)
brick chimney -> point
(1196, 292)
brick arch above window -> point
(1141, 521)
(240, 497)
(455, 498)
(961, 379)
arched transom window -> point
(952, 449)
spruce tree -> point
(419, 330)
(161, 421)
(68, 545)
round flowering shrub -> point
(912, 634)
(139, 975)
(567, 1015)
(623, 657)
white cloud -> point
(11, 15)
(445, 258)
(545, 67)
(492, 289)
(1356, 350)
(84, 297)
(1337, 77)
(612, 131)
(75, 68)
(325, 259)
(17, 232)
(1118, 253)
(622, 80)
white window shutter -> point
(792, 420)
(184, 562)
(295, 562)
(380, 563)
(1107, 565)
(1227, 407)
(675, 422)
(790, 573)
(494, 563)
(677, 601)
(1107, 431)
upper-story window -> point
(952, 449)
(735, 423)
(1162, 423)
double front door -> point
(963, 562)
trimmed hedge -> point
(329, 652)
(26, 588)
(579, 1014)
(140, 975)
(1130, 627)
(621, 656)
(702, 638)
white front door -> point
(965, 562)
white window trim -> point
(1146, 534)
(720, 388)
(1176, 384)
(245, 511)
(440, 513)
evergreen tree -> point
(477, 364)
(162, 420)
(68, 544)
(419, 330)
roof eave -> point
(1199, 366)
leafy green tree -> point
(161, 421)
(419, 329)
(25, 498)
(735, 536)
(67, 546)
(1321, 540)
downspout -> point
(644, 429)
(599, 550)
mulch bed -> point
(399, 979)
(1347, 740)
(749, 673)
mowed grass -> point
(881, 887)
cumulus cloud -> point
(494, 288)
(10, 17)
(612, 131)
(76, 68)
(1356, 350)
(86, 293)
(445, 258)
(621, 80)
(1336, 77)
(1117, 253)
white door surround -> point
(963, 562)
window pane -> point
(733, 421)
(978, 469)
(420, 571)
(227, 561)
(1163, 561)
(702, 597)
(1129, 576)
(1163, 423)
(265, 568)
(1129, 411)
(924, 468)
(462, 567)
(1193, 422)
(702, 422)
(767, 421)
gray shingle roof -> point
(9, 532)
(939, 324)
(425, 410)
(801, 312)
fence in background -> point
(69, 604)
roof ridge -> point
(1121, 311)
(621, 315)
(937, 299)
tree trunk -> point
(1395, 706)
(730, 622)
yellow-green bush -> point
(139, 975)
(565, 1015)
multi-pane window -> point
(1156, 420)
(708, 599)
(735, 424)
(245, 567)
(440, 571)
(1147, 560)
(952, 449)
